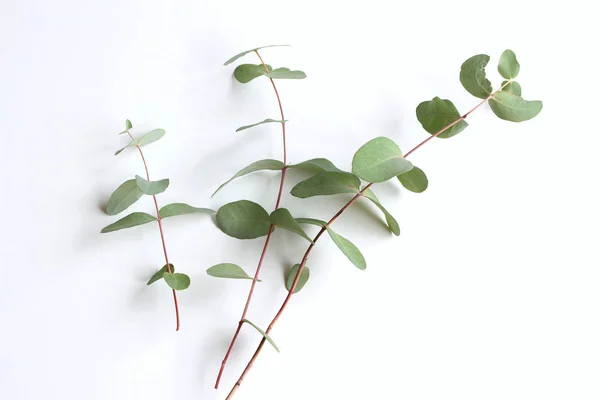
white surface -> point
(491, 291)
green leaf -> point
(378, 160)
(472, 76)
(243, 53)
(159, 275)
(130, 144)
(414, 180)
(513, 108)
(128, 124)
(285, 73)
(266, 121)
(151, 137)
(246, 72)
(125, 195)
(512, 87)
(131, 220)
(349, 249)
(243, 219)
(283, 219)
(327, 183)
(177, 281)
(273, 165)
(174, 209)
(311, 221)
(151, 187)
(228, 270)
(508, 66)
(264, 334)
(289, 280)
(437, 114)
(389, 218)
(316, 165)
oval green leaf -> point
(266, 121)
(283, 219)
(378, 160)
(291, 276)
(513, 108)
(125, 195)
(159, 275)
(508, 66)
(151, 187)
(389, 218)
(414, 180)
(150, 137)
(128, 126)
(437, 114)
(349, 249)
(472, 76)
(228, 270)
(264, 335)
(316, 165)
(174, 209)
(512, 87)
(243, 219)
(243, 53)
(285, 73)
(131, 220)
(246, 72)
(273, 165)
(177, 281)
(327, 183)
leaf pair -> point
(131, 191)
(176, 281)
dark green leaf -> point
(264, 334)
(349, 249)
(437, 114)
(327, 183)
(151, 187)
(389, 218)
(150, 137)
(378, 160)
(508, 66)
(283, 219)
(273, 165)
(472, 76)
(159, 275)
(513, 108)
(414, 180)
(246, 72)
(177, 281)
(512, 87)
(125, 195)
(130, 144)
(285, 73)
(131, 220)
(266, 121)
(243, 53)
(243, 219)
(311, 221)
(174, 209)
(228, 270)
(289, 280)
(316, 165)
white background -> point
(490, 292)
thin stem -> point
(162, 234)
(318, 235)
(267, 240)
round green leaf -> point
(349, 249)
(243, 53)
(285, 73)
(291, 275)
(151, 187)
(327, 183)
(273, 165)
(243, 219)
(228, 270)
(378, 160)
(159, 275)
(512, 87)
(177, 281)
(174, 209)
(414, 180)
(125, 195)
(513, 108)
(508, 66)
(283, 219)
(246, 72)
(472, 76)
(131, 220)
(437, 114)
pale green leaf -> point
(285, 73)
(349, 249)
(129, 221)
(128, 124)
(174, 209)
(508, 66)
(130, 144)
(378, 160)
(311, 221)
(513, 108)
(512, 87)
(243, 53)
(327, 183)
(316, 165)
(266, 121)
(414, 180)
(125, 195)
(389, 218)
(150, 137)
(273, 165)
(472, 76)
(243, 219)
(159, 275)
(283, 219)
(228, 270)
(177, 281)
(436, 114)
(264, 335)
(291, 276)
(246, 72)
(151, 187)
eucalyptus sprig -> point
(378, 160)
(130, 192)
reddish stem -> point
(268, 239)
(162, 234)
(318, 235)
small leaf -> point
(243, 219)
(159, 275)
(311, 221)
(508, 66)
(327, 183)
(289, 280)
(174, 209)
(151, 137)
(125, 195)
(131, 220)
(472, 76)
(228, 270)
(128, 124)
(414, 180)
(285, 73)
(243, 53)
(151, 187)
(246, 72)
(273, 165)
(513, 108)
(264, 334)
(389, 218)
(512, 87)
(316, 165)
(436, 114)
(349, 249)
(266, 121)
(177, 281)
(130, 144)
(378, 160)
(283, 219)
